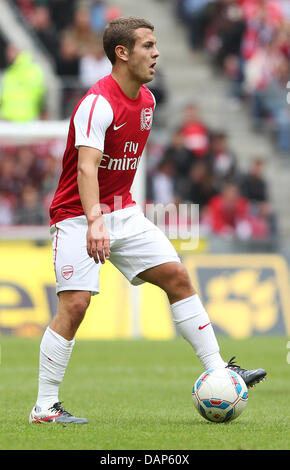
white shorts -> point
(136, 245)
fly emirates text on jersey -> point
(125, 162)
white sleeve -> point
(91, 121)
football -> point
(220, 395)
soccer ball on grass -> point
(220, 395)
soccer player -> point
(93, 216)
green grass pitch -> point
(137, 395)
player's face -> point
(142, 60)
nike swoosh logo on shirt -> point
(203, 326)
(118, 127)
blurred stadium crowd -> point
(246, 40)
(249, 41)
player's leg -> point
(57, 344)
(72, 307)
(55, 352)
(150, 257)
(188, 313)
(192, 320)
(77, 278)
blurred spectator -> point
(26, 8)
(23, 87)
(10, 185)
(27, 167)
(192, 12)
(225, 30)
(163, 186)
(283, 39)
(254, 187)
(98, 13)
(223, 160)
(195, 132)
(183, 159)
(44, 29)
(233, 70)
(262, 19)
(202, 184)
(61, 12)
(3, 45)
(261, 68)
(94, 65)
(50, 176)
(278, 107)
(80, 29)
(113, 12)
(68, 68)
(101, 14)
(29, 211)
(260, 72)
(6, 211)
(67, 60)
(155, 153)
(229, 215)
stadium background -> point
(221, 132)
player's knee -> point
(179, 280)
(182, 278)
(76, 308)
(79, 305)
(73, 307)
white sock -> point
(193, 322)
(55, 352)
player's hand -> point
(98, 241)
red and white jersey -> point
(108, 120)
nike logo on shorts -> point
(203, 326)
(118, 127)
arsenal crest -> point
(146, 119)
(67, 271)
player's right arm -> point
(91, 121)
(98, 239)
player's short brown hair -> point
(121, 31)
